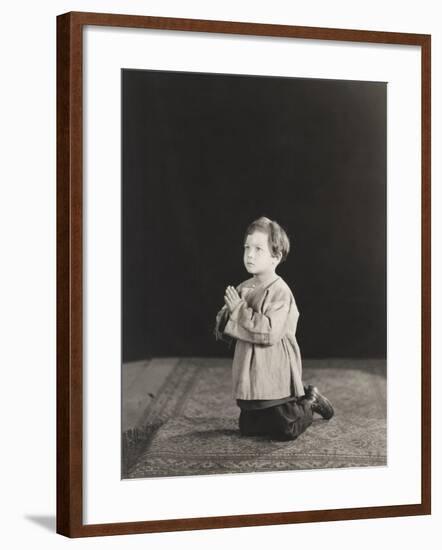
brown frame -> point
(70, 266)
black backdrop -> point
(203, 156)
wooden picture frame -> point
(70, 268)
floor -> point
(179, 418)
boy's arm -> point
(259, 328)
(222, 318)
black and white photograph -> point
(221, 288)
(253, 273)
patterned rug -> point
(192, 424)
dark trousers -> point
(283, 422)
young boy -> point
(261, 315)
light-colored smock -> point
(267, 359)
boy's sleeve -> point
(259, 328)
(220, 323)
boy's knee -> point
(249, 424)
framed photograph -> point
(243, 274)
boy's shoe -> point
(319, 403)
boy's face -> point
(258, 259)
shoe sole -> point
(315, 393)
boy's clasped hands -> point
(231, 298)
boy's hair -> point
(278, 239)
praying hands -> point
(231, 298)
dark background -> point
(203, 156)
